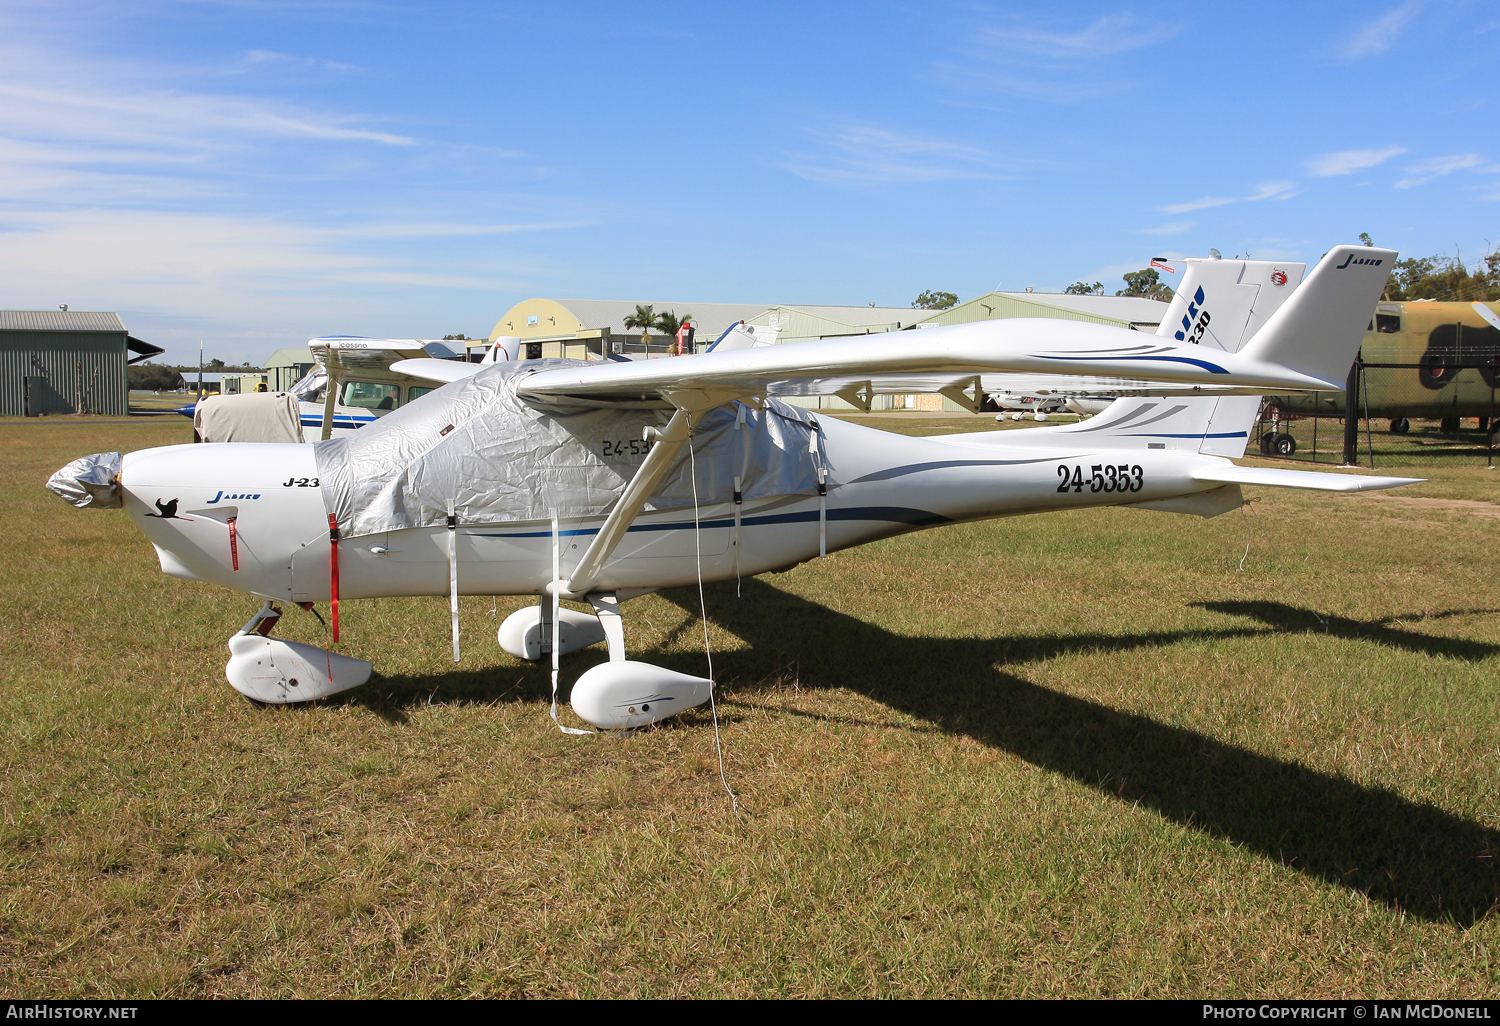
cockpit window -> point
(1388, 324)
(370, 395)
(416, 392)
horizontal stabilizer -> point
(1301, 479)
(442, 371)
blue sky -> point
(257, 173)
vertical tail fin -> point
(1222, 304)
(1318, 330)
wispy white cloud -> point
(157, 190)
(110, 113)
(1266, 190)
(193, 274)
(1170, 228)
(1069, 65)
(1199, 204)
(1272, 191)
(431, 230)
(866, 154)
(166, 250)
(253, 57)
(1426, 170)
(1105, 36)
(1379, 35)
(1346, 162)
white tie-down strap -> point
(550, 638)
(453, 573)
(817, 455)
(739, 486)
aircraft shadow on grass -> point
(1408, 855)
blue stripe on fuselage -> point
(876, 514)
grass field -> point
(1079, 754)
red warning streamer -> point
(333, 574)
(234, 544)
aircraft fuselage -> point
(186, 498)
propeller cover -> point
(90, 482)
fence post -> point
(1351, 416)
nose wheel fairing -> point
(277, 672)
(282, 672)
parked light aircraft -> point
(603, 481)
(364, 389)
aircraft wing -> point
(948, 359)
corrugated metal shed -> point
(286, 367)
(60, 320)
(65, 361)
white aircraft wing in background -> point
(1303, 345)
(942, 360)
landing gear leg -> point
(607, 609)
(262, 622)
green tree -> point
(1365, 238)
(215, 364)
(668, 323)
(150, 376)
(455, 338)
(930, 300)
(643, 318)
(1146, 284)
(1445, 279)
(1079, 288)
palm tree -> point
(644, 318)
(669, 322)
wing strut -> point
(331, 399)
(668, 442)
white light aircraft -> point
(364, 389)
(603, 481)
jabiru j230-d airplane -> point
(602, 481)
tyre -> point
(1283, 445)
(1400, 426)
(1265, 444)
(1448, 426)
